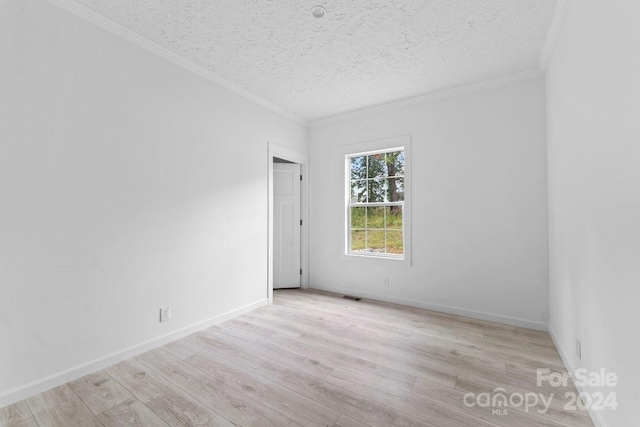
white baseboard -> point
(491, 317)
(55, 380)
(596, 416)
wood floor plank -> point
(257, 317)
(395, 372)
(527, 377)
(13, 414)
(60, 407)
(333, 321)
(309, 363)
(170, 403)
(99, 392)
(29, 422)
(427, 410)
(520, 351)
(281, 399)
(416, 354)
(371, 361)
(131, 413)
(508, 341)
(454, 399)
(347, 402)
(477, 384)
(220, 421)
(257, 331)
(233, 405)
(226, 349)
(340, 375)
(268, 349)
(345, 421)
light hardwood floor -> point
(316, 359)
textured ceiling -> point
(363, 53)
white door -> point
(286, 225)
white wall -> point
(126, 184)
(479, 206)
(593, 111)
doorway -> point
(287, 219)
(287, 224)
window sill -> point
(396, 261)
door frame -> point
(275, 150)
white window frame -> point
(373, 147)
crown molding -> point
(555, 29)
(113, 27)
(430, 97)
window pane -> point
(394, 217)
(358, 168)
(376, 190)
(375, 217)
(395, 163)
(394, 190)
(358, 217)
(394, 242)
(358, 240)
(375, 241)
(377, 166)
(359, 191)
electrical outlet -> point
(386, 282)
(165, 314)
(579, 349)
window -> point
(376, 222)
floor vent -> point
(351, 298)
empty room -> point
(301, 213)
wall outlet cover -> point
(579, 349)
(165, 314)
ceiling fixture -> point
(318, 12)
